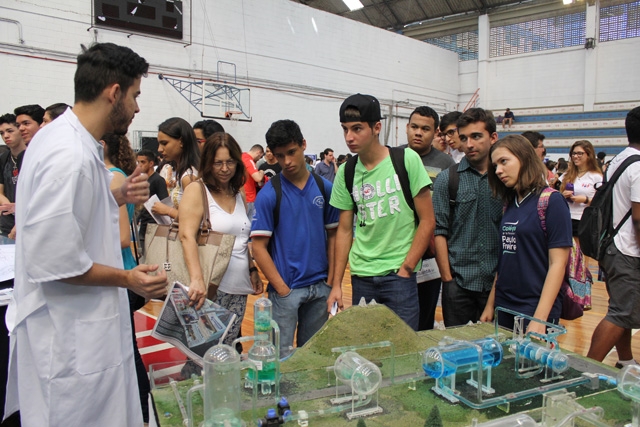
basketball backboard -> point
(223, 101)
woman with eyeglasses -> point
(579, 182)
(223, 173)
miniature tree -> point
(434, 420)
(361, 423)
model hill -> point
(358, 326)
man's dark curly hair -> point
(119, 152)
(104, 64)
(283, 133)
(34, 111)
(9, 119)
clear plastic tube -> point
(510, 421)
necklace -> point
(522, 200)
(14, 172)
(581, 174)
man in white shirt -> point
(621, 262)
(71, 353)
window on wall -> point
(156, 17)
(540, 34)
(621, 21)
(464, 44)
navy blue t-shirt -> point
(299, 245)
(524, 253)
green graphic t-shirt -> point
(385, 223)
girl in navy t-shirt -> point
(532, 263)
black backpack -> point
(397, 159)
(596, 231)
(277, 187)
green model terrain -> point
(408, 401)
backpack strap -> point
(623, 166)
(320, 184)
(543, 204)
(277, 187)
(276, 182)
(349, 175)
(397, 160)
(454, 183)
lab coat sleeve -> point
(55, 216)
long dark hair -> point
(214, 143)
(119, 152)
(592, 164)
(178, 128)
(532, 171)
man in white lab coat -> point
(71, 357)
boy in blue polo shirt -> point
(294, 246)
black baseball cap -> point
(367, 105)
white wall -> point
(569, 76)
(559, 77)
(554, 77)
(300, 63)
(617, 77)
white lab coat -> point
(71, 355)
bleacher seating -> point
(562, 126)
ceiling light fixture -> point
(353, 4)
(567, 1)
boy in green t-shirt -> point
(388, 246)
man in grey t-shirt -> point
(421, 129)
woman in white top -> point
(579, 182)
(222, 172)
(177, 143)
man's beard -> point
(118, 119)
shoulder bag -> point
(163, 247)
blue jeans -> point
(305, 308)
(400, 294)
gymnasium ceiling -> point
(406, 16)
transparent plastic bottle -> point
(554, 359)
(439, 362)
(263, 353)
(363, 376)
(222, 396)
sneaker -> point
(619, 365)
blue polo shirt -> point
(298, 246)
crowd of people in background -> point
(456, 211)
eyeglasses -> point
(229, 164)
(578, 153)
(450, 132)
